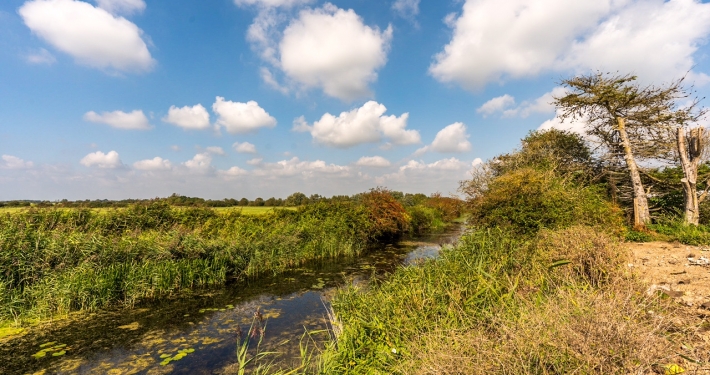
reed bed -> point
(54, 261)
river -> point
(205, 327)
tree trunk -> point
(689, 157)
(642, 215)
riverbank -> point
(56, 261)
(133, 340)
(540, 284)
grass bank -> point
(55, 261)
(538, 285)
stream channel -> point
(205, 326)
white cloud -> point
(239, 117)
(135, 120)
(195, 117)
(366, 124)
(496, 104)
(13, 162)
(373, 161)
(332, 49)
(271, 81)
(406, 8)
(295, 166)
(215, 150)
(175, 148)
(119, 7)
(41, 57)
(201, 162)
(91, 35)
(495, 40)
(504, 104)
(255, 161)
(452, 138)
(244, 148)
(443, 164)
(567, 124)
(232, 172)
(155, 164)
(98, 159)
(272, 3)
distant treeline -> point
(293, 200)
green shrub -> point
(527, 200)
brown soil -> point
(666, 267)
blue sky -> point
(245, 98)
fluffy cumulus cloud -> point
(297, 167)
(216, 150)
(155, 164)
(233, 172)
(98, 159)
(92, 35)
(200, 163)
(327, 48)
(244, 148)
(195, 117)
(452, 138)
(135, 120)
(505, 105)
(119, 7)
(576, 126)
(373, 161)
(496, 104)
(366, 124)
(494, 40)
(13, 162)
(238, 117)
(451, 164)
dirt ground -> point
(680, 271)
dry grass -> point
(615, 331)
(594, 318)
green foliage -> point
(61, 260)
(527, 200)
(559, 150)
(676, 230)
(482, 276)
(638, 236)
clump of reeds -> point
(53, 261)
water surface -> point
(206, 327)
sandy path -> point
(670, 267)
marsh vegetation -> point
(58, 260)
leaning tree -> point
(630, 120)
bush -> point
(387, 215)
(528, 200)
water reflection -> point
(198, 335)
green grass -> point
(54, 261)
(245, 210)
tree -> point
(296, 199)
(626, 118)
(691, 147)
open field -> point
(245, 210)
